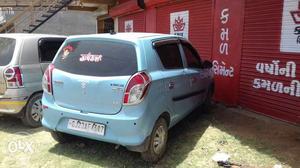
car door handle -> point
(171, 85)
(58, 82)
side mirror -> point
(207, 65)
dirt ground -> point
(251, 140)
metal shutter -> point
(200, 22)
(261, 44)
(138, 22)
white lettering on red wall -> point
(179, 23)
(273, 68)
(224, 35)
(221, 68)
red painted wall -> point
(261, 46)
(200, 23)
(138, 22)
(228, 28)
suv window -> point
(170, 56)
(191, 55)
(48, 48)
(7, 48)
(97, 58)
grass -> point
(249, 141)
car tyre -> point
(61, 137)
(33, 111)
(208, 100)
(158, 142)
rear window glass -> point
(97, 58)
(7, 47)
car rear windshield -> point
(97, 58)
(7, 48)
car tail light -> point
(14, 77)
(136, 88)
(47, 80)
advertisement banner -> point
(290, 31)
(179, 23)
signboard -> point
(227, 50)
(128, 26)
(179, 23)
(290, 31)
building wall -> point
(254, 46)
(270, 65)
(70, 23)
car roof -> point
(132, 37)
(29, 35)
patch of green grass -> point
(192, 143)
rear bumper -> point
(12, 105)
(129, 128)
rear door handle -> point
(171, 85)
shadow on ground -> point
(104, 154)
(265, 135)
(12, 125)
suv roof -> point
(27, 35)
(132, 37)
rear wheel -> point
(158, 142)
(33, 112)
(61, 137)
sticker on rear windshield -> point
(90, 58)
(67, 50)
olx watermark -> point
(20, 144)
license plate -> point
(85, 126)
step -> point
(25, 30)
(38, 20)
(32, 25)
(51, 11)
(46, 15)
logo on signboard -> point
(179, 23)
(290, 33)
(129, 26)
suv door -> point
(174, 76)
(47, 50)
(196, 76)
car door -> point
(47, 50)
(195, 75)
(174, 76)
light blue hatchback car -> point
(124, 88)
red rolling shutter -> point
(261, 90)
(200, 22)
(138, 20)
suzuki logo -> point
(84, 86)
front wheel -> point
(33, 111)
(158, 142)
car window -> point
(170, 56)
(97, 58)
(7, 48)
(191, 55)
(48, 48)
